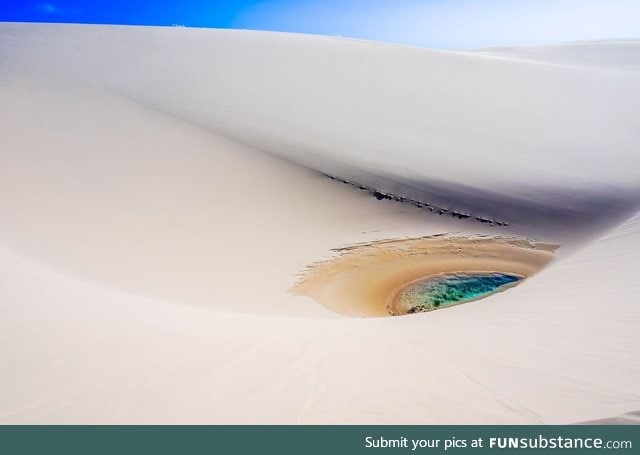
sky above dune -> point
(447, 24)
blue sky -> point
(432, 23)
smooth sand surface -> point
(560, 348)
(629, 418)
(168, 210)
(601, 55)
(549, 148)
(154, 215)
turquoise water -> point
(446, 290)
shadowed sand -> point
(365, 279)
(628, 418)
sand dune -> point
(436, 126)
(603, 55)
(162, 191)
(560, 348)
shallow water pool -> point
(452, 289)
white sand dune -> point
(432, 125)
(618, 55)
(161, 190)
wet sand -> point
(363, 280)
